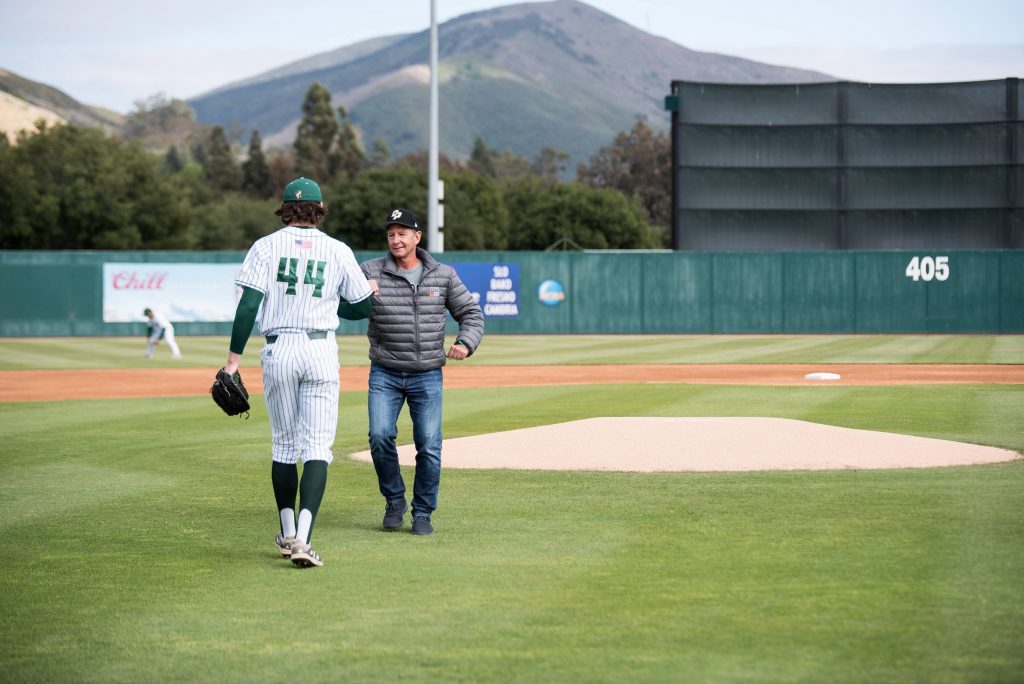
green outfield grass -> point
(110, 352)
(139, 538)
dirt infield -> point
(48, 385)
(701, 445)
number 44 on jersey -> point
(288, 272)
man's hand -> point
(458, 352)
(374, 287)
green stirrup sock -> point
(311, 490)
(285, 477)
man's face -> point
(402, 241)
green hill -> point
(58, 102)
(524, 77)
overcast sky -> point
(114, 53)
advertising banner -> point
(183, 292)
(495, 287)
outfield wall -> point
(62, 293)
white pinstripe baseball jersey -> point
(302, 273)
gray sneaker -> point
(393, 514)
(304, 556)
(421, 525)
(284, 544)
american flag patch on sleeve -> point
(304, 244)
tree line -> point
(74, 187)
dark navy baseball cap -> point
(402, 217)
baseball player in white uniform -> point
(160, 326)
(293, 282)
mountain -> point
(320, 61)
(23, 102)
(523, 77)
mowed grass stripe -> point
(119, 352)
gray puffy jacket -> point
(406, 329)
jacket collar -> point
(429, 262)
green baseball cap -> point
(302, 190)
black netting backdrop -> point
(962, 187)
(909, 229)
(754, 146)
(757, 230)
(848, 166)
(939, 145)
(926, 103)
(757, 188)
(771, 105)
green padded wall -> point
(60, 293)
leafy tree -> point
(481, 159)
(282, 170)
(550, 164)
(357, 208)
(380, 155)
(191, 186)
(198, 150)
(420, 160)
(316, 135)
(639, 164)
(222, 170)
(75, 188)
(346, 157)
(501, 165)
(256, 180)
(234, 221)
(511, 165)
(475, 215)
(22, 213)
(158, 123)
(544, 214)
(172, 163)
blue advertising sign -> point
(551, 293)
(495, 287)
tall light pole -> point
(435, 240)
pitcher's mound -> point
(701, 444)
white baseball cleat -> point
(284, 544)
(304, 556)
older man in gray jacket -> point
(412, 293)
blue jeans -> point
(389, 389)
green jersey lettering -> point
(318, 279)
(288, 272)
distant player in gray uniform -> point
(160, 328)
(293, 282)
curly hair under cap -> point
(301, 213)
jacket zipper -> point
(416, 325)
